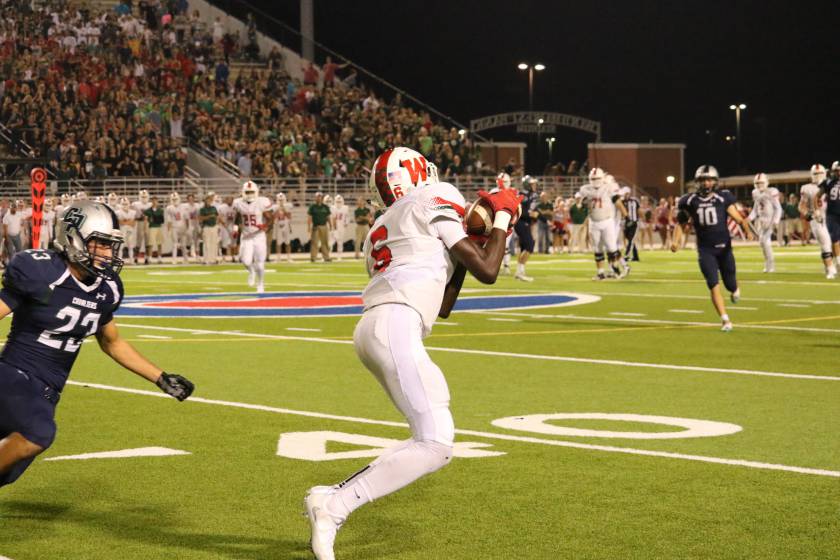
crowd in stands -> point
(119, 93)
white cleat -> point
(727, 326)
(735, 297)
(252, 279)
(260, 288)
(831, 274)
(324, 526)
(524, 278)
(769, 269)
(506, 270)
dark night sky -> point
(649, 70)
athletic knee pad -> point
(599, 257)
(615, 255)
(826, 255)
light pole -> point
(738, 108)
(550, 142)
(530, 68)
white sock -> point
(520, 269)
(725, 317)
(396, 468)
(506, 260)
(259, 267)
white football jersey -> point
(252, 214)
(175, 216)
(47, 220)
(129, 214)
(225, 213)
(766, 205)
(140, 207)
(812, 200)
(406, 257)
(341, 215)
(601, 206)
(282, 216)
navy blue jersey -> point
(529, 204)
(708, 214)
(53, 313)
(831, 188)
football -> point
(479, 218)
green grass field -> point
(650, 346)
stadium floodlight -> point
(539, 67)
(738, 108)
(670, 179)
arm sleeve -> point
(119, 293)
(682, 211)
(449, 231)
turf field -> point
(767, 487)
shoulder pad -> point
(33, 274)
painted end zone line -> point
(486, 435)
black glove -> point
(175, 385)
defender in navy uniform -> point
(831, 188)
(59, 297)
(527, 214)
(708, 208)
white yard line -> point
(506, 354)
(656, 321)
(690, 311)
(623, 314)
(487, 435)
(504, 320)
(154, 336)
(302, 329)
(801, 305)
(742, 308)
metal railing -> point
(298, 190)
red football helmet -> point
(397, 172)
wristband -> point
(502, 220)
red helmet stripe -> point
(380, 175)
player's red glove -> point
(506, 200)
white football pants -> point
(388, 340)
(765, 240)
(820, 232)
(603, 235)
(252, 253)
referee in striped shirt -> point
(631, 224)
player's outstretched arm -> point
(122, 352)
(676, 242)
(739, 219)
